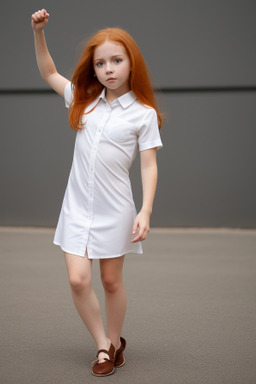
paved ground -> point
(191, 311)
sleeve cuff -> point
(152, 144)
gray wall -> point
(207, 166)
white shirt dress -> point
(98, 210)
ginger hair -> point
(86, 86)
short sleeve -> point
(68, 94)
(148, 135)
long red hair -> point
(86, 86)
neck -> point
(112, 94)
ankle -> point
(117, 343)
(104, 344)
(108, 341)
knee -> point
(79, 283)
(110, 282)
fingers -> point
(135, 226)
(40, 16)
(142, 234)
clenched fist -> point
(39, 19)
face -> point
(112, 67)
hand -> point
(141, 223)
(39, 20)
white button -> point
(92, 169)
(94, 149)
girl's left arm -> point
(149, 181)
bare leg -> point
(115, 297)
(85, 300)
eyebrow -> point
(112, 57)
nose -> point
(109, 68)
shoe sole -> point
(104, 374)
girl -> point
(112, 108)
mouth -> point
(110, 79)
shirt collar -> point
(125, 100)
(103, 95)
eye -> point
(117, 61)
(99, 64)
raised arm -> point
(44, 60)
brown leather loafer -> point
(120, 359)
(107, 367)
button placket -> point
(91, 178)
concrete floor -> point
(191, 311)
